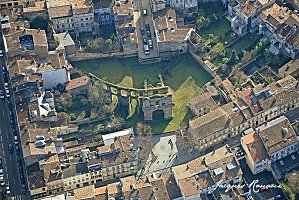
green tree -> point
(233, 58)
(64, 115)
(81, 116)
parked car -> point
(16, 140)
(144, 11)
(6, 85)
(284, 2)
(150, 43)
(2, 94)
(2, 182)
(10, 148)
(17, 149)
(4, 70)
(148, 34)
(7, 189)
(22, 179)
(147, 27)
(144, 41)
(7, 93)
(142, 31)
(23, 188)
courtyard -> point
(183, 75)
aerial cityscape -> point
(149, 99)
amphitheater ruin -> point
(149, 100)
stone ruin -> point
(149, 99)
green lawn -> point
(245, 42)
(182, 74)
(216, 28)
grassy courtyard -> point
(183, 75)
(216, 28)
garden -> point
(210, 20)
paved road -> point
(10, 165)
(141, 22)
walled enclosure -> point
(149, 99)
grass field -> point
(216, 28)
(183, 75)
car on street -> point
(7, 189)
(7, 93)
(2, 182)
(17, 149)
(22, 179)
(142, 31)
(6, 86)
(2, 94)
(150, 43)
(4, 70)
(148, 33)
(16, 140)
(144, 41)
(10, 148)
(146, 49)
(1, 165)
(23, 188)
(144, 11)
(283, 2)
(147, 27)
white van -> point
(146, 49)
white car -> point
(150, 43)
(7, 93)
(1, 172)
(7, 189)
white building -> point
(71, 15)
(270, 142)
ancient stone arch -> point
(148, 99)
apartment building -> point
(198, 178)
(9, 3)
(202, 104)
(251, 108)
(26, 42)
(103, 10)
(281, 26)
(72, 168)
(172, 40)
(268, 143)
(184, 6)
(244, 15)
(123, 10)
(71, 15)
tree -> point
(113, 38)
(64, 115)
(246, 57)
(218, 50)
(81, 116)
(233, 58)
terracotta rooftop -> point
(255, 146)
(84, 192)
(76, 83)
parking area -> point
(147, 41)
